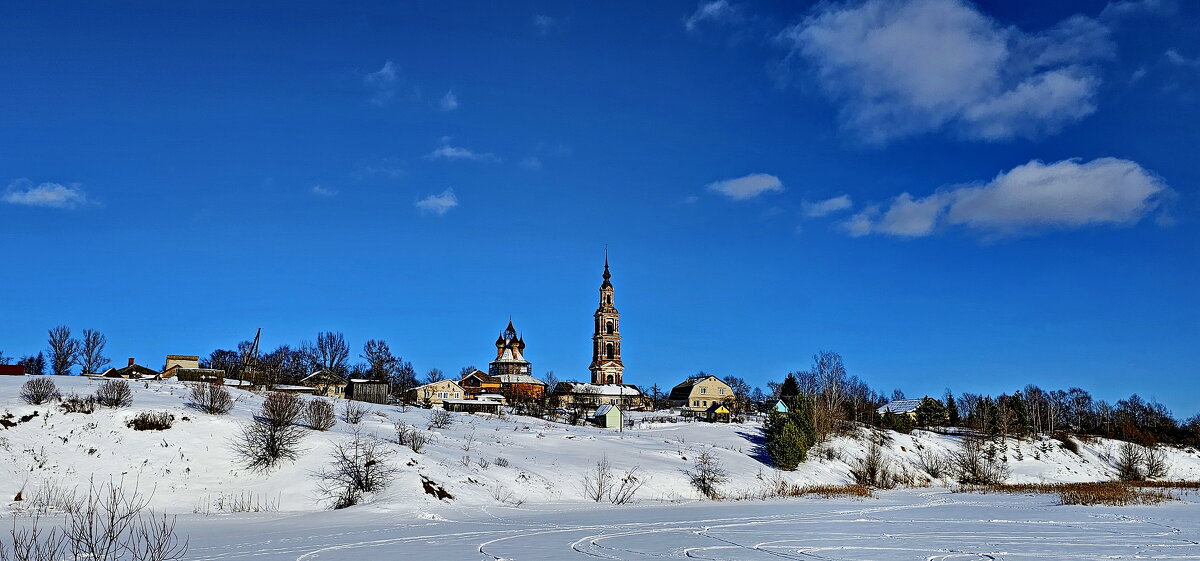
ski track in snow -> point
(931, 525)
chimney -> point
(130, 361)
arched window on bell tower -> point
(608, 350)
(608, 327)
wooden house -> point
(210, 375)
(132, 371)
(472, 406)
(581, 394)
(12, 370)
(478, 382)
(780, 406)
(371, 391)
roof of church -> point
(519, 379)
(597, 389)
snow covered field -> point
(908, 524)
(491, 465)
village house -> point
(435, 393)
(186, 368)
(906, 407)
(12, 370)
(568, 395)
(696, 394)
(325, 383)
(132, 371)
(472, 406)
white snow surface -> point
(191, 470)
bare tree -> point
(873, 470)
(381, 363)
(38, 391)
(1156, 462)
(91, 351)
(331, 352)
(1129, 463)
(32, 543)
(64, 350)
(707, 475)
(4, 359)
(210, 398)
(626, 486)
(830, 377)
(360, 466)
(434, 375)
(319, 415)
(114, 393)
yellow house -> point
(696, 394)
(436, 393)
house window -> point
(706, 403)
(695, 403)
(703, 390)
(721, 391)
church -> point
(607, 386)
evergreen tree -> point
(789, 389)
(790, 435)
(931, 413)
(952, 417)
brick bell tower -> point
(606, 343)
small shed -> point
(12, 370)
(717, 413)
(608, 416)
(472, 406)
(290, 388)
(780, 406)
(370, 391)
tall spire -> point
(606, 275)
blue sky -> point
(950, 194)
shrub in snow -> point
(151, 420)
(975, 465)
(354, 412)
(75, 404)
(281, 409)
(109, 524)
(318, 414)
(707, 475)
(934, 463)
(873, 470)
(272, 437)
(114, 393)
(411, 437)
(360, 466)
(440, 419)
(39, 390)
(213, 399)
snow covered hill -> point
(479, 460)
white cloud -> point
(715, 11)
(543, 23)
(449, 102)
(438, 204)
(50, 195)
(906, 67)
(448, 152)
(531, 162)
(383, 83)
(1127, 8)
(747, 187)
(1068, 194)
(827, 206)
(322, 191)
(1177, 59)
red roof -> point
(12, 370)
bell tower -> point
(606, 343)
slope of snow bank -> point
(191, 467)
